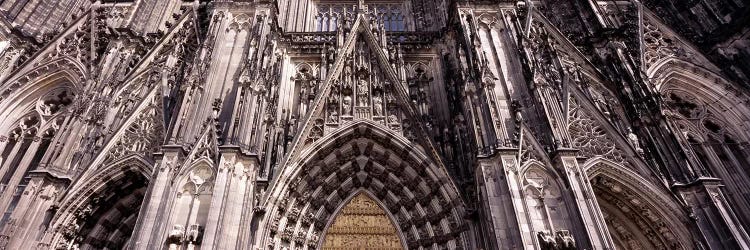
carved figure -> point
(347, 105)
(377, 103)
(362, 93)
(633, 138)
(546, 240)
(333, 116)
(195, 234)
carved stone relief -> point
(362, 224)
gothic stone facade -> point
(383, 124)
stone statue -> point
(546, 240)
(195, 233)
(392, 119)
(333, 116)
(362, 93)
(377, 103)
(177, 235)
(633, 138)
(347, 105)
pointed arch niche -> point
(101, 210)
(546, 205)
(191, 204)
(362, 223)
(639, 215)
(711, 118)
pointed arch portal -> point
(362, 224)
(365, 157)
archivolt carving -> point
(637, 211)
(65, 68)
(83, 199)
(425, 207)
(622, 234)
(654, 217)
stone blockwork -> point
(394, 124)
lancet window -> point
(546, 206)
(27, 143)
(191, 208)
(716, 148)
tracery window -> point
(331, 16)
(391, 15)
(714, 146)
(28, 141)
(20, 139)
(191, 208)
(707, 135)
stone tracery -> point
(470, 124)
(591, 137)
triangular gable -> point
(595, 137)
(206, 147)
(531, 149)
(361, 85)
(569, 54)
(142, 134)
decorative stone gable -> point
(144, 135)
(363, 85)
(361, 91)
(590, 137)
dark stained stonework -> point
(548, 124)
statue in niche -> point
(362, 93)
(347, 105)
(347, 75)
(633, 138)
(333, 115)
(392, 119)
(312, 83)
(377, 103)
(302, 92)
(195, 234)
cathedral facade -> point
(374, 124)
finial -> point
(361, 6)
